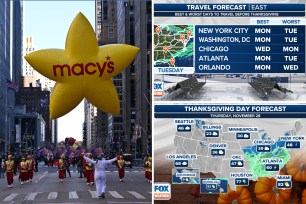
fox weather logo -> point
(162, 191)
(158, 88)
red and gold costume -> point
(84, 167)
(89, 171)
(121, 165)
(61, 167)
(148, 168)
(23, 170)
(30, 162)
(9, 166)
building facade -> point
(134, 21)
(126, 36)
(88, 125)
(10, 66)
(102, 129)
(143, 76)
(126, 22)
(36, 101)
(31, 135)
(30, 75)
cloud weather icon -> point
(267, 148)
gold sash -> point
(9, 166)
(120, 163)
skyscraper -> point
(105, 130)
(143, 79)
(10, 65)
(127, 22)
(30, 75)
(134, 21)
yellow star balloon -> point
(82, 69)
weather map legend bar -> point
(230, 111)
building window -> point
(105, 9)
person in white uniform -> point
(100, 176)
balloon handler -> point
(100, 176)
(61, 167)
(89, 171)
(9, 166)
(121, 165)
(23, 168)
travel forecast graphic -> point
(173, 46)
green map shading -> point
(180, 49)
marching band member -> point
(89, 171)
(61, 167)
(23, 170)
(100, 176)
(84, 167)
(121, 165)
(9, 166)
(148, 166)
(30, 168)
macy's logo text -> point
(82, 69)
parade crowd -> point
(90, 167)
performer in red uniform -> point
(121, 165)
(148, 166)
(61, 167)
(9, 166)
(89, 171)
(30, 162)
(23, 170)
(145, 166)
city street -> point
(46, 188)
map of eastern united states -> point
(258, 169)
(173, 42)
